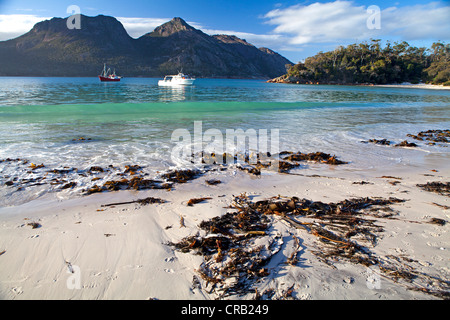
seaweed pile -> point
(385, 142)
(96, 179)
(313, 156)
(213, 182)
(231, 262)
(238, 246)
(405, 143)
(140, 183)
(254, 163)
(432, 136)
(289, 160)
(442, 188)
(26, 174)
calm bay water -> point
(132, 121)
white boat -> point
(177, 80)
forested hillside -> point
(369, 62)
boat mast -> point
(104, 70)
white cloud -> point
(419, 22)
(14, 25)
(336, 21)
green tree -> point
(369, 62)
(438, 71)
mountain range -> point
(50, 48)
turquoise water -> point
(132, 121)
(18, 91)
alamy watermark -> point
(374, 20)
(74, 21)
(233, 146)
(74, 280)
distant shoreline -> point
(414, 86)
(392, 85)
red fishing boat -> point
(106, 75)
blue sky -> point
(295, 29)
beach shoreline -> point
(390, 85)
(123, 252)
(97, 204)
(414, 86)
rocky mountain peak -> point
(173, 26)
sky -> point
(295, 29)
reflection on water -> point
(175, 93)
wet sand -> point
(83, 250)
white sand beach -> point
(415, 86)
(82, 250)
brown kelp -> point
(433, 136)
(133, 177)
(442, 188)
(193, 201)
(234, 259)
(145, 201)
(405, 143)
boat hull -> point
(182, 82)
(106, 79)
